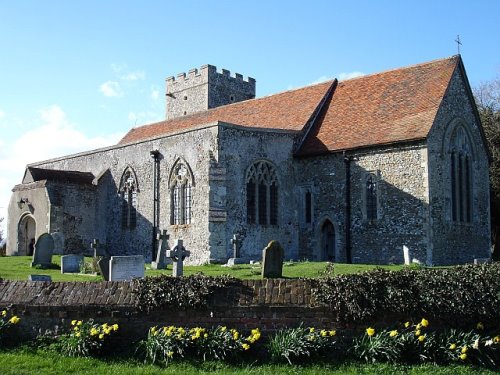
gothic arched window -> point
(460, 176)
(262, 194)
(371, 197)
(128, 193)
(181, 182)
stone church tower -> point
(204, 89)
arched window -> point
(181, 182)
(262, 194)
(128, 193)
(371, 197)
(460, 176)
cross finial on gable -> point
(459, 43)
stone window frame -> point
(460, 160)
(375, 176)
(181, 184)
(262, 193)
(305, 219)
(128, 190)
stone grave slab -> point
(44, 248)
(71, 263)
(39, 278)
(125, 268)
(103, 265)
(272, 260)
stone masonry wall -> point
(196, 148)
(453, 242)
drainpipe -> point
(347, 224)
(155, 154)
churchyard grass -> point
(40, 362)
(18, 268)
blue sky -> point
(76, 75)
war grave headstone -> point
(71, 263)
(126, 268)
(178, 254)
(42, 254)
(236, 242)
(272, 260)
(161, 255)
(39, 278)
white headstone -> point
(71, 263)
(406, 254)
(125, 268)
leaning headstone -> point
(272, 260)
(236, 242)
(39, 278)
(161, 257)
(178, 254)
(71, 263)
(406, 255)
(125, 268)
(44, 247)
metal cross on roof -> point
(459, 43)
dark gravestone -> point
(178, 254)
(71, 263)
(103, 264)
(44, 247)
(161, 259)
(102, 261)
(272, 260)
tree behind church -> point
(488, 103)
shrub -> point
(462, 293)
(180, 292)
(295, 344)
(85, 338)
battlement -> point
(209, 71)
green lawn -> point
(18, 268)
(20, 362)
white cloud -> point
(111, 89)
(54, 136)
(321, 79)
(133, 76)
(343, 76)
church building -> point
(344, 171)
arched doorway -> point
(328, 241)
(26, 232)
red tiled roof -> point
(289, 110)
(393, 106)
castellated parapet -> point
(202, 89)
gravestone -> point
(272, 260)
(103, 262)
(177, 254)
(71, 263)
(58, 242)
(406, 255)
(125, 268)
(161, 255)
(481, 260)
(236, 242)
(39, 278)
(44, 247)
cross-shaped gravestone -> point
(177, 254)
(236, 242)
(102, 263)
(161, 261)
(95, 246)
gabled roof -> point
(384, 108)
(289, 110)
(399, 105)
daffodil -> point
(480, 326)
(101, 336)
(14, 320)
(94, 331)
(4, 312)
(417, 332)
(323, 333)
(407, 324)
(115, 327)
(79, 323)
(421, 338)
(223, 329)
(77, 334)
(170, 354)
(311, 329)
(424, 322)
(453, 346)
(393, 333)
(496, 339)
(464, 349)
(73, 322)
(463, 356)
(332, 332)
(245, 346)
(370, 331)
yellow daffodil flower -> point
(115, 327)
(14, 320)
(170, 354)
(370, 331)
(407, 324)
(332, 332)
(417, 332)
(4, 312)
(453, 346)
(101, 336)
(245, 346)
(393, 333)
(94, 331)
(323, 333)
(73, 322)
(421, 338)
(464, 349)
(311, 329)
(463, 356)
(77, 334)
(424, 322)
(79, 323)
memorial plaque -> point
(125, 268)
(71, 263)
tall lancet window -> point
(128, 193)
(461, 176)
(181, 183)
(371, 197)
(262, 194)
